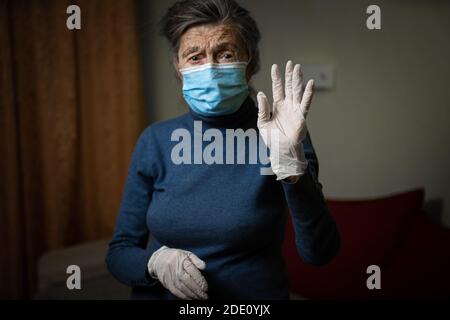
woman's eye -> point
(228, 56)
(195, 59)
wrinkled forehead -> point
(209, 36)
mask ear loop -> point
(251, 90)
(248, 62)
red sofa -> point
(392, 232)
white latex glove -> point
(178, 271)
(284, 131)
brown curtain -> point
(71, 109)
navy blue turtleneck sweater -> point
(229, 215)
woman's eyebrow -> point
(226, 45)
(190, 50)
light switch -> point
(323, 75)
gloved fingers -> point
(277, 85)
(288, 80)
(195, 275)
(263, 108)
(307, 98)
(193, 286)
(178, 293)
(181, 285)
(199, 263)
(297, 84)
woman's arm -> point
(128, 254)
(294, 162)
(317, 236)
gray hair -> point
(188, 13)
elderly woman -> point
(217, 228)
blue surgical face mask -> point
(215, 89)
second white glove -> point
(178, 271)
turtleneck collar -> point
(234, 120)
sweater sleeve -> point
(316, 235)
(129, 251)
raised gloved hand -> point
(178, 271)
(284, 130)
